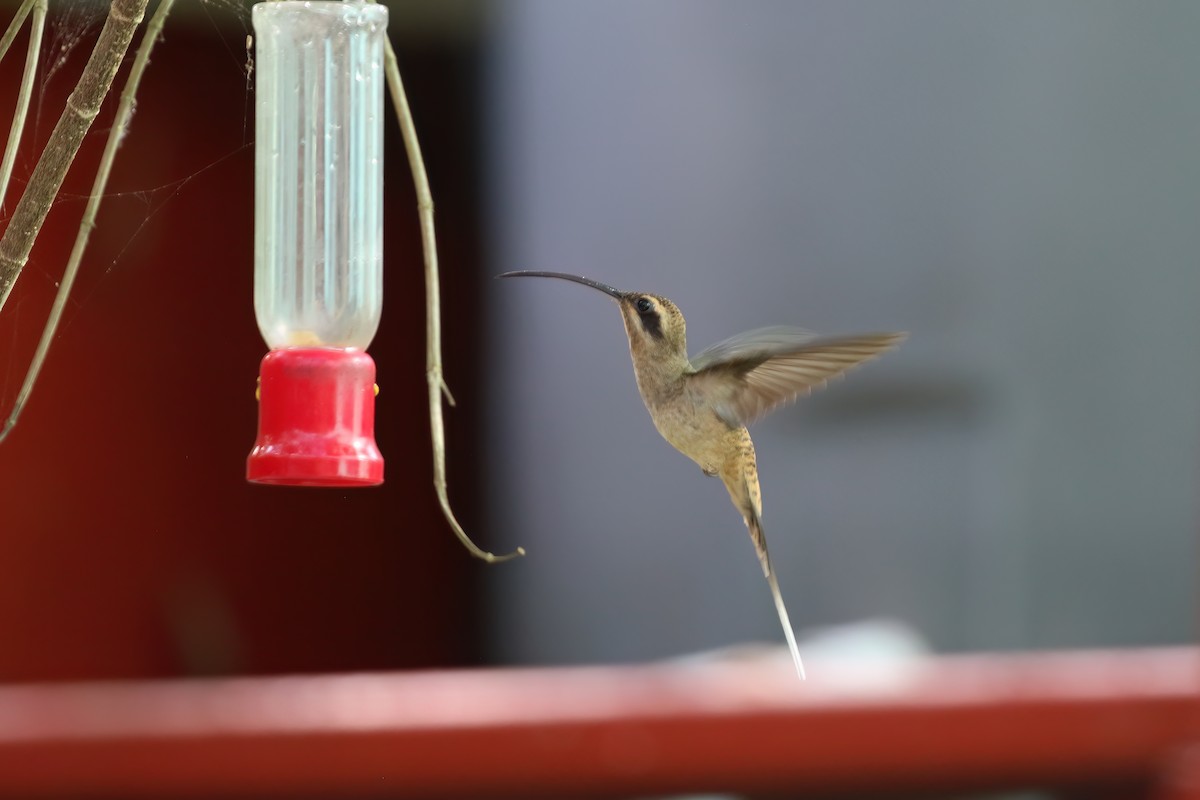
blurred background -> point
(1014, 184)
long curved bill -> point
(529, 273)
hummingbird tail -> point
(760, 542)
(740, 476)
(787, 625)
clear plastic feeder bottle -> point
(318, 239)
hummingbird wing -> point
(750, 374)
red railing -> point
(1062, 721)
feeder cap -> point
(316, 419)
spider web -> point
(72, 27)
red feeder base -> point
(316, 420)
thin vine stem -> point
(15, 26)
(83, 105)
(25, 95)
(115, 135)
(433, 322)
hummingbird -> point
(702, 405)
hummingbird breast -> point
(685, 419)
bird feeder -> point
(318, 240)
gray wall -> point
(1014, 183)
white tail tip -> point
(787, 625)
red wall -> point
(130, 543)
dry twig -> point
(115, 135)
(433, 324)
(25, 95)
(82, 107)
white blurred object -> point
(871, 641)
(875, 640)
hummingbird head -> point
(653, 323)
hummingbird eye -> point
(647, 312)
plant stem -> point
(82, 107)
(99, 184)
(25, 95)
(433, 322)
(14, 26)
